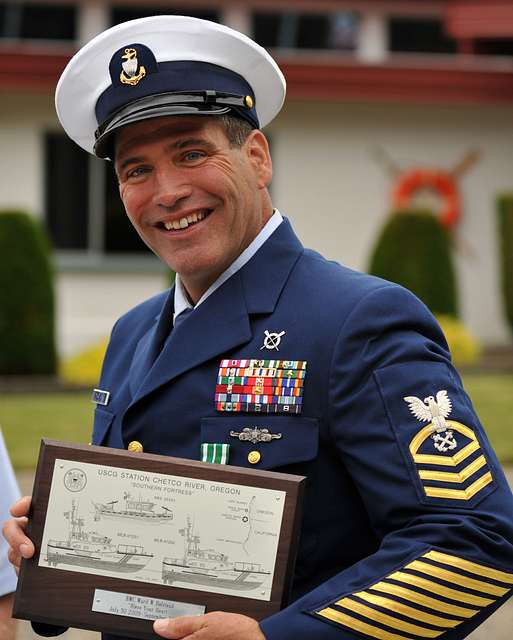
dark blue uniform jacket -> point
(399, 539)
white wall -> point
(23, 120)
(89, 304)
(336, 193)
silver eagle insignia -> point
(435, 411)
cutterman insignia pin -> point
(435, 412)
(255, 435)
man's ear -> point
(257, 149)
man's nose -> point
(171, 187)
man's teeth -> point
(183, 223)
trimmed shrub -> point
(414, 250)
(465, 349)
(27, 340)
(505, 211)
(84, 368)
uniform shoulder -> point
(330, 278)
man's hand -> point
(217, 625)
(14, 533)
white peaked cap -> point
(184, 66)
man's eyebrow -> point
(192, 142)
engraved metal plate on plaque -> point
(134, 606)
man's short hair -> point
(236, 129)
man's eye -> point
(136, 172)
(193, 156)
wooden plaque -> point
(124, 538)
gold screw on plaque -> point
(254, 457)
(135, 447)
(248, 101)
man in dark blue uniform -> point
(408, 520)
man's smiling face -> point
(196, 201)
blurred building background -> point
(418, 83)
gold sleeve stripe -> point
(449, 476)
(471, 567)
(435, 587)
(358, 625)
(405, 610)
(447, 461)
(456, 578)
(460, 494)
(390, 621)
(425, 601)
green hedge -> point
(414, 251)
(27, 342)
(505, 211)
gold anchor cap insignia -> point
(131, 73)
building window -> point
(66, 192)
(119, 236)
(27, 21)
(82, 204)
(419, 35)
(494, 47)
(336, 31)
(122, 14)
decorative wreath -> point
(442, 182)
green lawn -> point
(492, 396)
(25, 418)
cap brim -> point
(104, 145)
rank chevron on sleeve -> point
(260, 386)
(448, 589)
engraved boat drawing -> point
(90, 549)
(133, 509)
(209, 567)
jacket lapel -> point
(222, 322)
(266, 274)
(150, 344)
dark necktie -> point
(165, 333)
(167, 341)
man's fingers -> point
(21, 507)
(15, 559)
(14, 532)
(179, 627)
(216, 625)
